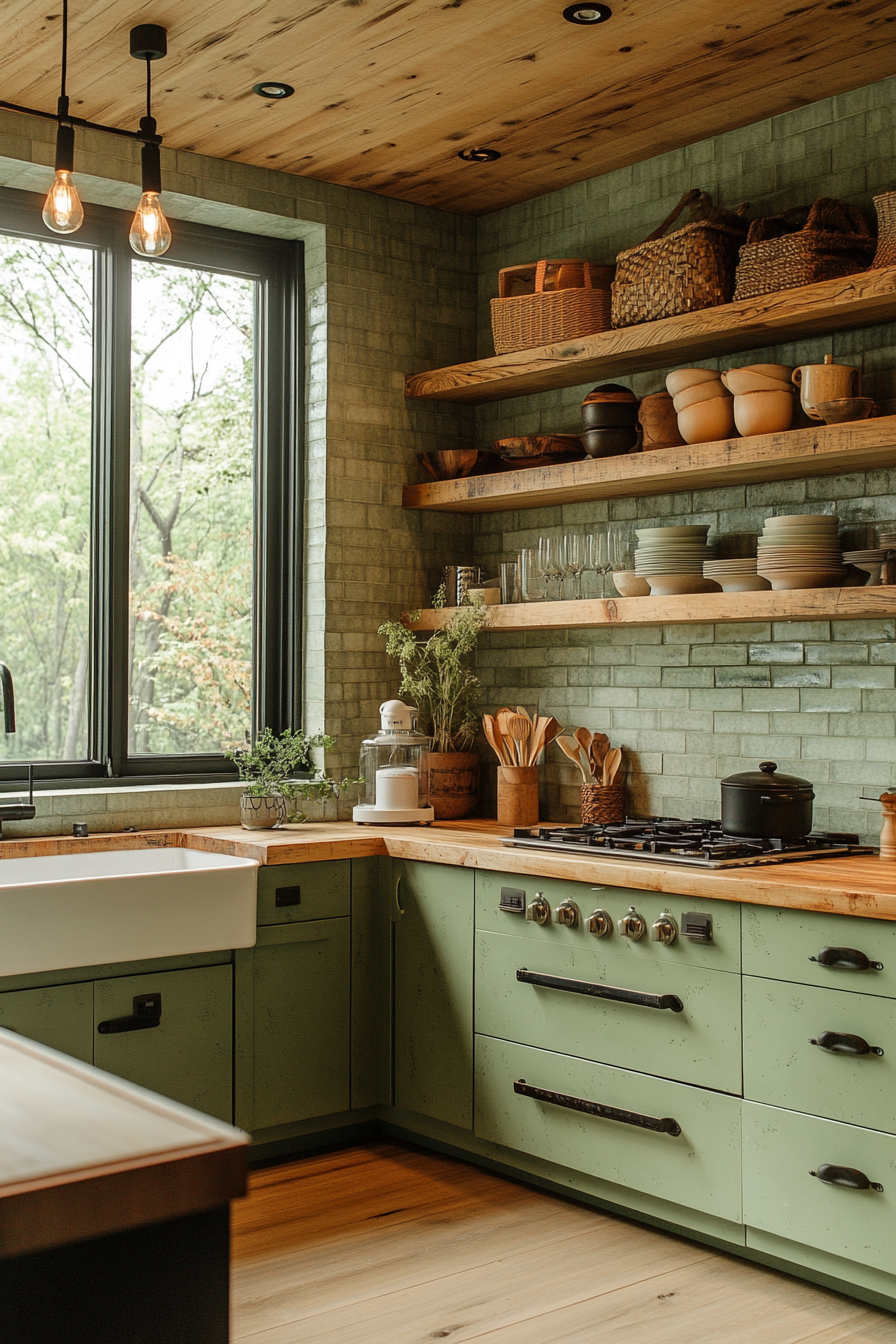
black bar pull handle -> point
(147, 1013)
(842, 1043)
(659, 1124)
(671, 1001)
(848, 1178)
(846, 959)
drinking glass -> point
(510, 581)
(529, 575)
(574, 559)
(550, 564)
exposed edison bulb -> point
(63, 211)
(150, 235)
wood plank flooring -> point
(384, 1244)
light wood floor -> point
(384, 1244)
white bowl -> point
(744, 583)
(677, 382)
(670, 585)
(691, 530)
(810, 578)
(802, 519)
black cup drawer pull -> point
(842, 1043)
(659, 1124)
(846, 959)
(147, 1013)
(671, 1001)
(848, 1178)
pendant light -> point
(63, 211)
(150, 235)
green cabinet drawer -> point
(60, 1016)
(188, 1056)
(298, 982)
(783, 945)
(782, 1068)
(699, 1167)
(291, 892)
(722, 954)
(782, 1148)
(700, 1044)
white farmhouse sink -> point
(123, 905)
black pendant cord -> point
(149, 86)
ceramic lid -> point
(610, 392)
(765, 778)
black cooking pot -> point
(767, 806)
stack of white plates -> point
(870, 561)
(801, 550)
(736, 576)
(671, 559)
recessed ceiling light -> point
(479, 155)
(587, 14)
(273, 88)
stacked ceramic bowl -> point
(704, 407)
(763, 397)
(736, 576)
(871, 562)
(671, 559)
(801, 550)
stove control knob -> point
(665, 930)
(600, 924)
(568, 914)
(538, 910)
(632, 925)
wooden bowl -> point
(448, 464)
(845, 409)
(537, 445)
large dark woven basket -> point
(834, 241)
(886, 230)
(690, 269)
(569, 298)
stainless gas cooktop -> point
(700, 843)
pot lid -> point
(610, 392)
(766, 779)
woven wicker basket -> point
(886, 230)
(692, 268)
(834, 241)
(603, 805)
(568, 299)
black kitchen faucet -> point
(14, 811)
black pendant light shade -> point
(63, 211)
(150, 235)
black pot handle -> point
(659, 1124)
(847, 1178)
(645, 1000)
(842, 1043)
(846, 959)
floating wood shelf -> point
(833, 305)
(819, 451)
(806, 604)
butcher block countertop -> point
(83, 1154)
(864, 885)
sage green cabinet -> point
(60, 1016)
(294, 892)
(785, 944)
(294, 998)
(783, 1068)
(699, 1167)
(432, 920)
(188, 1056)
(781, 1196)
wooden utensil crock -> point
(658, 422)
(517, 795)
(603, 805)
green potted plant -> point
(437, 678)
(276, 771)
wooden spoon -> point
(494, 738)
(572, 749)
(519, 726)
(612, 765)
(584, 739)
(543, 734)
(600, 745)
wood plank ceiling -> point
(388, 91)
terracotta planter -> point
(453, 783)
(263, 814)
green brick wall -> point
(691, 704)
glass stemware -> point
(622, 553)
(550, 564)
(603, 547)
(574, 559)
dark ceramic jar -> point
(610, 406)
(764, 805)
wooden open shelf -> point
(819, 451)
(813, 604)
(833, 305)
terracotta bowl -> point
(707, 421)
(691, 396)
(782, 372)
(844, 409)
(677, 382)
(447, 464)
(740, 381)
(763, 412)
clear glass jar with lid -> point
(395, 788)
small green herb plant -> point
(435, 672)
(272, 766)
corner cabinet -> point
(431, 909)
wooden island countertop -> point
(864, 885)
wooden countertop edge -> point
(863, 885)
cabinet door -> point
(432, 913)
(60, 1016)
(297, 979)
(188, 1055)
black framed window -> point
(150, 495)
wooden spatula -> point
(572, 749)
(612, 766)
(494, 739)
(519, 726)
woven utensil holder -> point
(517, 795)
(603, 805)
(886, 230)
